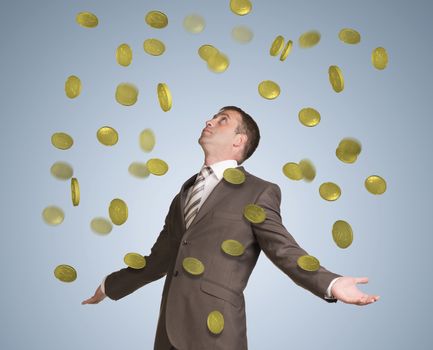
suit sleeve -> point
(282, 249)
(127, 280)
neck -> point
(212, 159)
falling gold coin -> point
(73, 86)
(241, 7)
(62, 140)
(344, 156)
(242, 34)
(348, 150)
(53, 215)
(309, 117)
(308, 263)
(269, 89)
(164, 97)
(156, 19)
(254, 213)
(87, 19)
(375, 184)
(154, 47)
(124, 55)
(194, 23)
(336, 78)
(232, 247)
(62, 170)
(286, 50)
(218, 63)
(65, 273)
(138, 170)
(126, 94)
(215, 322)
(277, 46)
(349, 36)
(147, 140)
(134, 260)
(207, 51)
(101, 226)
(309, 39)
(329, 191)
(234, 176)
(342, 234)
(75, 191)
(107, 136)
(118, 211)
(193, 266)
(292, 171)
(379, 58)
(308, 170)
(157, 166)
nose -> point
(209, 123)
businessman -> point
(202, 305)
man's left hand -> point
(345, 290)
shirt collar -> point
(219, 167)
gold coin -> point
(124, 55)
(329, 191)
(118, 211)
(375, 184)
(138, 170)
(234, 176)
(215, 322)
(107, 136)
(147, 140)
(62, 170)
(286, 50)
(344, 156)
(164, 97)
(232, 247)
(207, 51)
(218, 63)
(336, 78)
(342, 234)
(65, 273)
(241, 7)
(308, 263)
(101, 226)
(308, 170)
(73, 86)
(75, 191)
(126, 94)
(157, 166)
(379, 58)
(349, 36)
(194, 23)
(309, 117)
(135, 260)
(350, 146)
(156, 19)
(277, 46)
(193, 266)
(87, 19)
(242, 34)
(269, 89)
(53, 215)
(292, 171)
(309, 39)
(154, 47)
(61, 140)
(254, 213)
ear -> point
(240, 140)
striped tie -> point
(192, 204)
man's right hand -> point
(96, 298)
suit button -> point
(185, 242)
(175, 273)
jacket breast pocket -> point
(219, 291)
(225, 215)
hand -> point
(96, 298)
(344, 289)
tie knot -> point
(206, 171)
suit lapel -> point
(183, 194)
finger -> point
(361, 279)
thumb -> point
(361, 279)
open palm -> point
(345, 290)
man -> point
(202, 306)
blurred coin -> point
(309, 39)
(147, 140)
(349, 36)
(118, 211)
(61, 140)
(107, 136)
(269, 89)
(286, 50)
(240, 7)
(138, 170)
(164, 97)
(53, 215)
(194, 23)
(292, 171)
(242, 34)
(254, 213)
(379, 58)
(308, 170)
(215, 322)
(344, 156)
(126, 94)
(277, 46)
(207, 51)
(218, 63)
(336, 78)
(157, 166)
(308, 263)
(232, 247)
(234, 176)
(342, 234)
(309, 117)
(375, 184)
(73, 86)
(329, 191)
(65, 273)
(101, 226)
(134, 260)
(124, 55)
(156, 19)
(87, 19)
(154, 47)
(75, 191)
(350, 145)
(193, 266)
(62, 170)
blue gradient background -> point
(388, 111)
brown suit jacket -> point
(186, 299)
